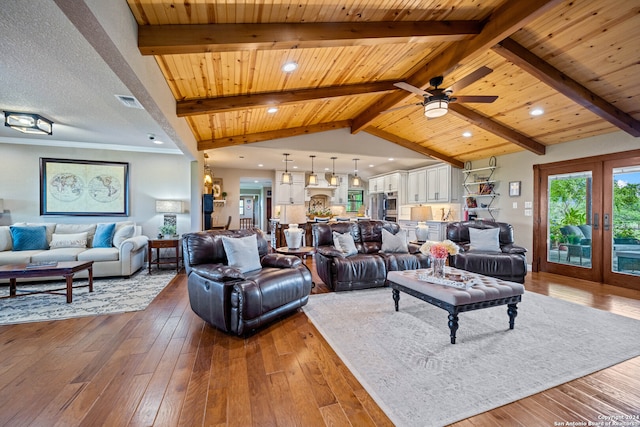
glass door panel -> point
(621, 222)
(568, 202)
(569, 231)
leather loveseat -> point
(369, 266)
(507, 262)
(239, 302)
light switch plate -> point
(515, 205)
(527, 212)
(528, 205)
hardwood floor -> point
(164, 366)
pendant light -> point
(286, 175)
(334, 178)
(313, 177)
(208, 175)
(356, 179)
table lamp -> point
(421, 214)
(294, 215)
(169, 208)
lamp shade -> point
(294, 214)
(421, 213)
(168, 206)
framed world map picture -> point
(83, 187)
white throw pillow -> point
(484, 240)
(344, 243)
(71, 240)
(394, 243)
(242, 252)
(5, 238)
(123, 234)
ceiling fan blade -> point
(400, 108)
(406, 86)
(470, 78)
(476, 98)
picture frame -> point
(83, 187)
(217, 188)
(514, 188)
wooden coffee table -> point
(65, 269)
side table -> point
(158, 244)
(300, 252)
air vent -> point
(130, 101)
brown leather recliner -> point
(508, 264)
(239, 302)
(368, 268)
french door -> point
(588, 219)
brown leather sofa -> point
(240, 302)
(368, 268)
(509, 263)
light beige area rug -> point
(405, 360)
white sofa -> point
(71, 242)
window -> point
(241, 206)
(355, 200)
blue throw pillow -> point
(29, 238)
(104, 235)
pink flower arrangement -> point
(439, 249)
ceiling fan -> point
(436, 101)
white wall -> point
(151, 177)
(519, 167)
(231, 185)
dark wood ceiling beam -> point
(231, 103)
(184, 39)
(496, 128)
(506, 20)
(546, 73)
(269, 135)
(414, 146)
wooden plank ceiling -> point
(578, 61)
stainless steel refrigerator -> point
(377, 206)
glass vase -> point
(437, 265)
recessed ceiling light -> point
(327, 169)
(295, 167)
(370, 166)
(466, 134)
(289, 67)
(537, 112)
(391, 159)
(272, 110)
(157, 141)
(260, 165)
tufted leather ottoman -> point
(490, 292)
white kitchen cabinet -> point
(376, 184)
(341, 193)
(437, 230)
(290, 194)
(417, 186)
(443, 184)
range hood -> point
(323, 188)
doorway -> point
(588, 223)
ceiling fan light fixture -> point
(436, 108)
